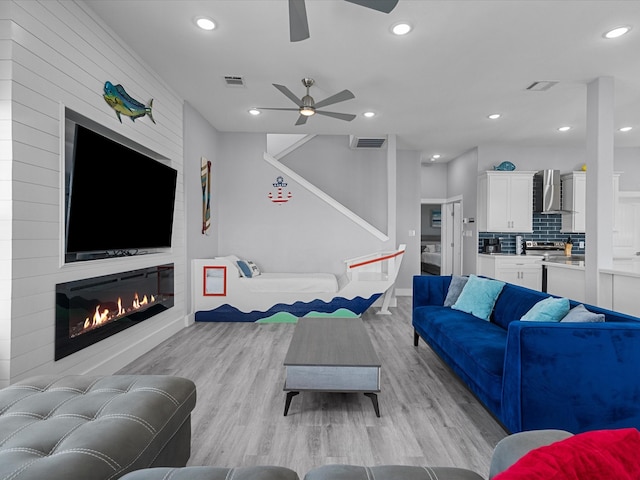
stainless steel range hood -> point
(546, 192)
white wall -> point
(627, 161)
(355, 178)
(6, 226)
(408, 217)
(433, 180)
(59, 54)
(303, 235)
(462, 180)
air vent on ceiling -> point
(366, 142)
(540, 86)
(234, 81)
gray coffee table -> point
(331, 355)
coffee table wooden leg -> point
(287, 403)
(374, 400)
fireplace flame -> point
(103, 315)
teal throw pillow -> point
(479, 296)
(455, 289)
(580, 313)
(550, 309)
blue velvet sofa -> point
(536, 375)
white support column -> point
(599, 205)
(392, 189)
(389, 298)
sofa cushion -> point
(598, 454)
(455, 289)
(479, 296)
(550, 309)
(514, 301)
(474, 348)
(579, 313)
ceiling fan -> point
(307, 105)
(299, 26)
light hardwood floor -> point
(428, 417)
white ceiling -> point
(433, 87)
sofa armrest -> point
(430, 289)
(513, 447)
(571, 376)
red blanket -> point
(596, 455)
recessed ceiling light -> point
(494, 116)
(566, 128)
(617, 32)
(435, 156)
(369, 114)
(255, 111)
(401, 28)
(626, 129)
(205, 23)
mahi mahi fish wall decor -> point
(123, 104)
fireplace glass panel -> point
(93, 309)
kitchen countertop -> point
(571, 261)
(627, 267)
(510, 255)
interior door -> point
(456, 247)
(451, 238)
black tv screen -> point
(119, 199)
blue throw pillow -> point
(455, 289)
(580, 313)
(550, 309)
(479, 296)
(245, 268)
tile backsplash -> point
(546, 227)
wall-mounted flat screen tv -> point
(119, 200)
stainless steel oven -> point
(546, 249)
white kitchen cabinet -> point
(505, 201)
(574, 199)
(566, 281)
(523, 270)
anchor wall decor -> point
(279, 197)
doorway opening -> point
(441, 237)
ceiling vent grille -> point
(541, 86)
(234, 81)
(366, 142)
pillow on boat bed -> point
(248, 269)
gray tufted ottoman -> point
(84, 427)
(214, 473)
(389, 472)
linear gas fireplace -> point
(93, 309)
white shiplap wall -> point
(60, 56)
(5, 191)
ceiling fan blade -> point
(289, 94)
(298, 25)
(338, 97)
(342, 116)
(287, 109)
(384, 6)
(302, 119)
